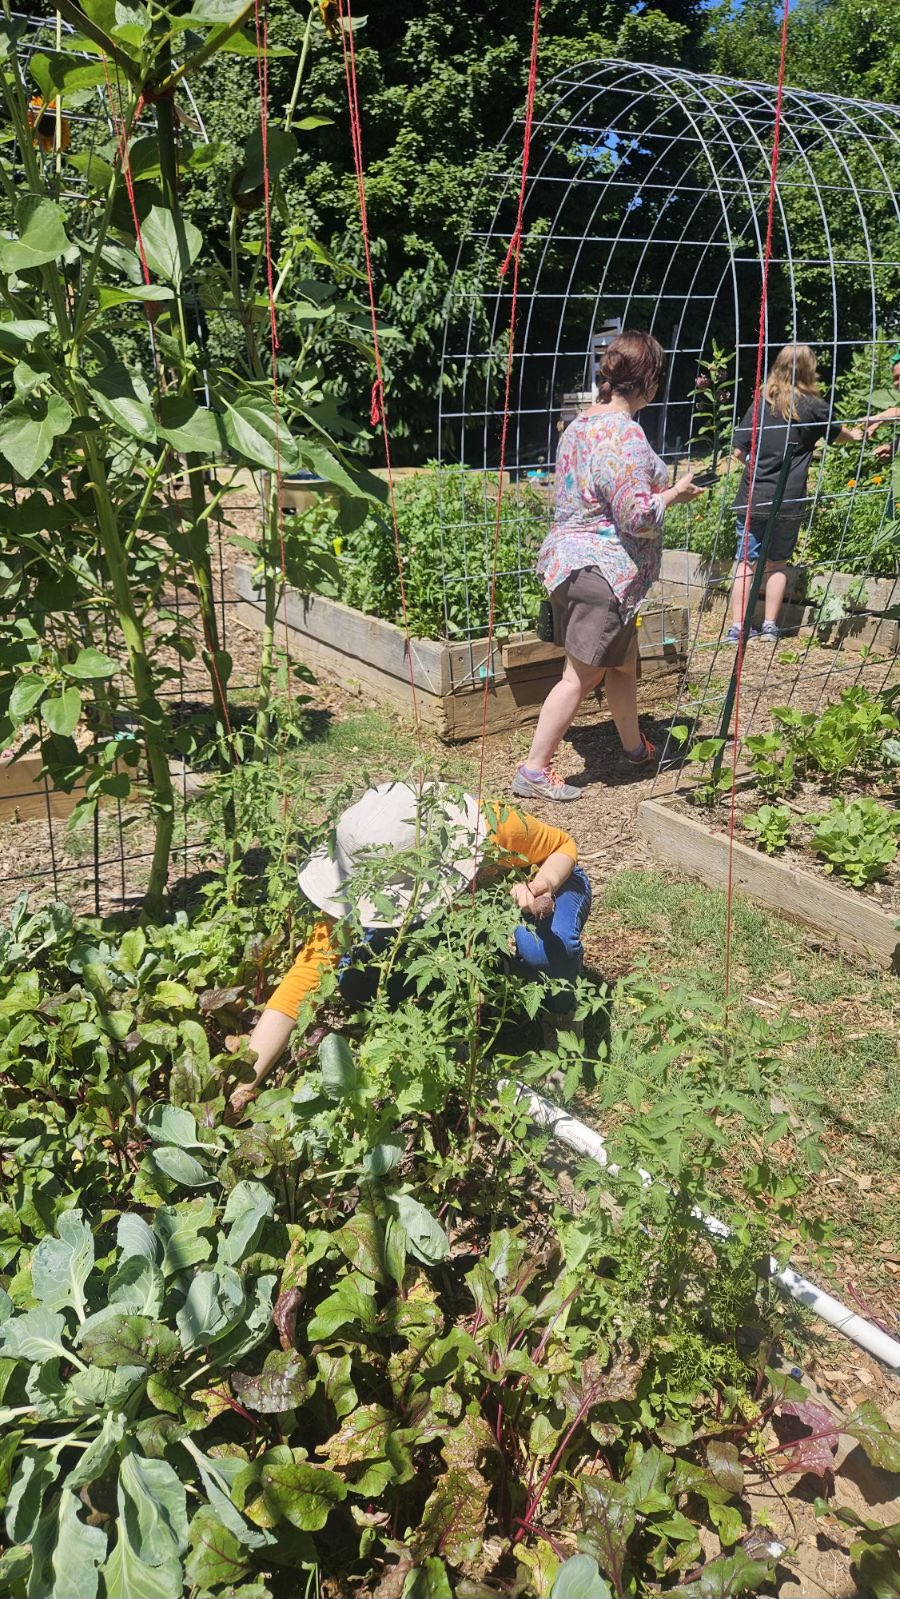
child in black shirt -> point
(792, 414)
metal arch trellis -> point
(645, 205)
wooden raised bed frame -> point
(839, 914)
(449, 678)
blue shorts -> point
(781, 545)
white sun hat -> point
(395, 817)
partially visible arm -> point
(552, 851)
(552, 873)
(269, 1038)
(848, 435)
(892, 414)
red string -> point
(125, 162)
(751, 470)
(513, 255)
(378, 412)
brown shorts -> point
(587, 619)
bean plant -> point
(117, 468)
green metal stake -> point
(755, 586)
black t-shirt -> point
(813, 423)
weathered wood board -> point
(23, 795)
(447, 678)
(839, 914)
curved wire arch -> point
(688, 155)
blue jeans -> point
(553, 948)
(550, 948)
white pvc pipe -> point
(586, 1141)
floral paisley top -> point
(609, 508)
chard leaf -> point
(880, 1442)
(428, 1580)
(453, 1517)
(297, 1492)
(80, 1551)
(215, 1557)
(363, 1436)
(60, 1267)
(281, 1385)
(153, 1508)
(218, 1493)
(362, 1241)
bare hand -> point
(883, 452)
(239, 1101)
(521, 893)
(539, 906)
(856, 435)
(684, 490)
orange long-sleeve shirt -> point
(518, 837)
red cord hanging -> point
(513, 256)
(377, 408)
(751, 469)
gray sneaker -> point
(548, 785)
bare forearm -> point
(269, 1040)
(552, 873)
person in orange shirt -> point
(367, 869)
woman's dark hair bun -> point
(633, 365)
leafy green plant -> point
(772, 826)
(853, 734)
(709, 792)
(713, 393)
(857, 837)
(95, 536)
(773, 772)
(446, 521)
(366, 1334)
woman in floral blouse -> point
(601, 556)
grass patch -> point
(848, 1053)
